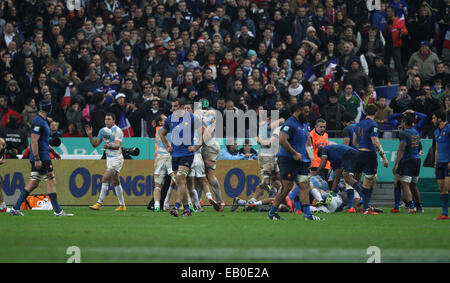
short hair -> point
(440, 114)
(371, 109)
(347, 117)
(112, 115)
(408, 118)
(320, 120)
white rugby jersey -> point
(110, 136)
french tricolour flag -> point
(67, 98)
(125, 126)
(330, 65)
(309, 74)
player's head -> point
(188, 107)
(45, 106)
(175, 105)
(371, 109)
(347, 119)
(321, 126)
(407, 120)
(439, 117)
(110, 120)
(160, 120)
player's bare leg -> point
(182, 192)
(408, 196)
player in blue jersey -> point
(112, 135)
(393, 119)
(294, 160)
(41, 165)
(349, 129)
(181, 124)
(407, 164)
(343, 159)
(365, 138)
(442, 158)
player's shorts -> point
(367, 162)
(409, 170)
(163, 165)
(198, 167)
(46, 167)
(114, 164)
(290, 168)
(211, 153)
(349, 160)
(268, 165)
(442, 170)
(182, 161)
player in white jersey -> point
(197, 175)
(210, 150)
(163, 164)
(268, 132)
(112, 135)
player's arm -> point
(309, 149)
(337, 179)
(323, 162)
(355, 139)
(400, 152)
(376, 143)
(275, 124)
(162, 134)
(35, 149)
(347, 137)
(194, 148)
(2, 148)
(284, 142)
(94, 142)
(117, 144)
(436, 155)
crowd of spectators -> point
(135, 58)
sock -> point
(357, 186)
(294, 192)
(316, 194)
(273, 209)
(208, 195)
(194, 197)
(103, 192)
(177, 205)
(366, 198)
(350, 197)
(307, 210)
(167, 198)
(199, 192)
(397, 196)
(54, 201)
(23, 195)
(157, 205)
(241, 202)
(258, 202)
(216, 189)
(2, 205)
(186, 208)
(444, 199)
(410, 204)
(297, 203)
(119, 194)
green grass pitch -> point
(140, 235)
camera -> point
(55, 142)
(133, 151)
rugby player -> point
(349, 129)
(210, 150)
(343, 159)
(182, 125)
(112, 135)
(294, 160)
(407, 164)
(442, 159)
(365, 138)
(268, 148)
(41, 165)
(163, 164)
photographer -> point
(15, 137)
(126, 152)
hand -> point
(57, 155)
(297, 156)
(2, 161)
(106, 146)
(385, 162)
(170, 149)
(88, 130)
(394, 171)
(38, 164)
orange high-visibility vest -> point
(319, 141)
(156, 139)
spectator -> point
(426, 60)
(72, 131)
(403, 101)
(350, 101)
(427, 105)
(30, 110)
(6, 112)
(332, 113)
(356, 77)
(382, 114)
(74, 116)
(248, 151)
(231, 152)
(393, 33)
(54, 130)
(16, 139)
